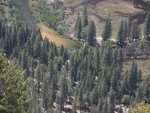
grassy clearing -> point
(144, 65)
(101, 8)
(115, 8)
(53, 37)
(106, 7)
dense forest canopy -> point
(90, 79)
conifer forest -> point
(74, 56)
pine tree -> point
(99, 106)
(112, 99)
(135, 33)
(13, 88)
(124, 85)
(38, 78)
(46, 93)
(106, 34)
(63, 89)
(114, 81)
(65, 56)
(133, 73)
(77, 22)
(120, 59)
(96, 60)
(24, 60)
(104, 88)
(79, 29)
(85, 17)
(147, 27)
(139, 77)
(91, 33)
(145, 89)
(105, 106)
(122, 35)
(108, 56)
(94, 96)
(139, 93)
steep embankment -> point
(22, 5)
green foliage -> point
(13, 88)
(141, 108)
(106, 34)
(122, 34)
(91, 33)
(86, 77)
(125, 100)
(85, 17)
(135, 31)
(79, 29)
(132, 79)
(147, 27)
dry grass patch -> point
(58, 40)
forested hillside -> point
(98, 76)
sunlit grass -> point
(58, 40)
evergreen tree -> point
(133, 73)
(104, 88)
(46, 93)
(135, 33)
(106, 34)
(91, 33)
(85, 17)
(24, 60)
(108, 56)
(147, 27)
(112, 100)
(79, 29)
(38, 78)
(139, 93)
(139, 77)
(105, 106)
(122, 34)
(146, 91)
(13, 88)
(114, 81)
(77, 22)
(63, 89)
(124, 85)
(99, 106)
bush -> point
(125, 100)
(141, 108)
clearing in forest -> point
(52, 36)
(98, 10)
(47, 32)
